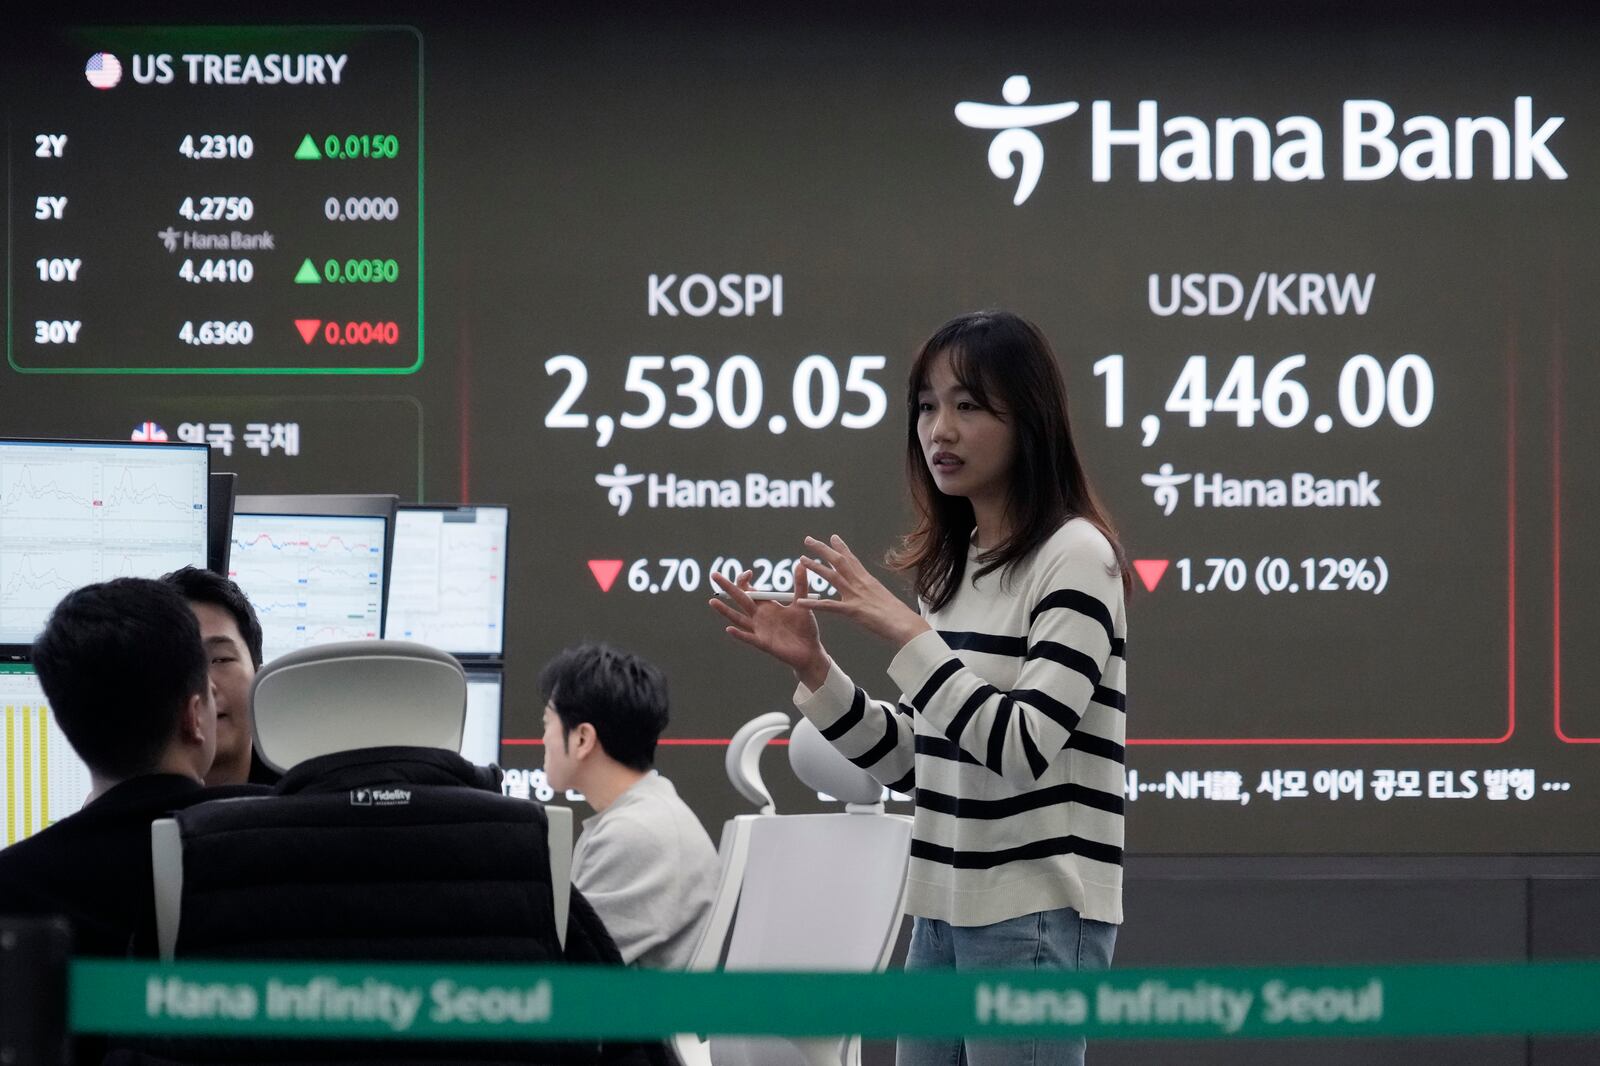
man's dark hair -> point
(206, 586)
(621, 695)
(119, 662)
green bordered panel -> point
(216, 200)
(420, 1002)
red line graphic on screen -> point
(1557, 419)
(666, 742)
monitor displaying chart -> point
(313, 579)
(74, 513)
(480, 736)
(449, 587)
(42, 780)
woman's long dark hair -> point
(1006, 364)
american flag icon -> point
(103, 70)
(148, 433)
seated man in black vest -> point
(125, 674)
(404, 852)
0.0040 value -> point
(361, 333)
(668, 575)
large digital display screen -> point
(1321, 288)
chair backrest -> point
(821, 892)
(379, 846)
(806, 892)
(390, 696)
(357, 694)
(257, 826)
(429, 879)
(743, 764)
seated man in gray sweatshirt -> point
(643, 860)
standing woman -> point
(1010, 727)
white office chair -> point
(812, 891)
(743, 764)
(357, 694)
(341, 697)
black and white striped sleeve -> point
(1071, 638)
(875, 735)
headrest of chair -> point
(357, 694)
(743, 759)
(821, 768)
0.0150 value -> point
(361, 146)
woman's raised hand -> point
(862, 598)
(786, 632)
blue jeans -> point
(1049, 940)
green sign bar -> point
(517, 1002)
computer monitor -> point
(449, 579)
(480, 736)
(312, 578)
(219, 520)
(73, 513)
(42, 780)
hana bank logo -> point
(619, 487)
(1372, 141)
(1014, 120)
(750, 490)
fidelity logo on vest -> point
(1375, 142)
(379, 797)
(750, 491)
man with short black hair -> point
(122, 666)
(231, 635)
(643, 860)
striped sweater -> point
(1010, 728)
